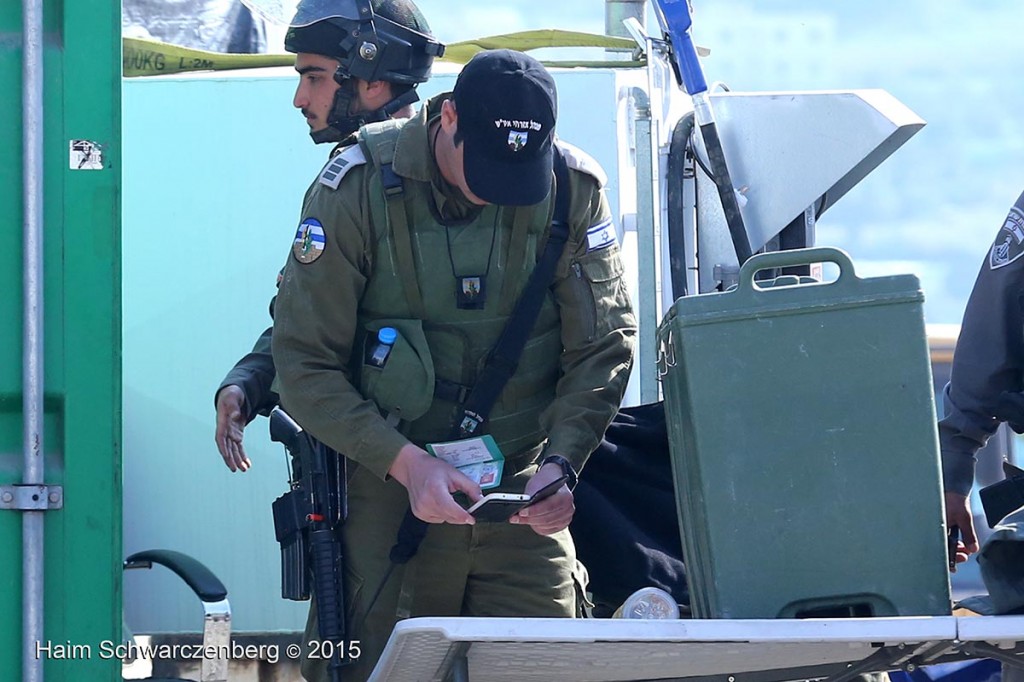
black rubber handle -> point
(203, 582)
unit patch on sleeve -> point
(1009, 244)
(309, 241)
(341, 164)
(601, 236)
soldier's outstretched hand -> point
(230, 427)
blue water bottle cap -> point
(387, 335)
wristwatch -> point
(567, 468)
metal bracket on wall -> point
(31, 497)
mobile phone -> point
(952, 535)
(501, 506)
(547, 491)
(498, 506)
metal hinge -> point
(31, 497)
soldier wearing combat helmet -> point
(371, 45)
(432, 229)
(358, 61)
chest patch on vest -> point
(341, 164)
(1009, 244)
(577, 159)
(600, 236)
(309, 241)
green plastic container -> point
(804, 447)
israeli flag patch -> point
(309, 241)
(601, 236)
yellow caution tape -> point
(143, 57)
(152, 58)
(524, 41)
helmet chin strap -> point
(337, 128)
(340, 126)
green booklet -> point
(479, 458)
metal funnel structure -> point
(788, 150)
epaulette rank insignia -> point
(577, 159)
(341, 164)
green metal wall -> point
(82, 333)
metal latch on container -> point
(31, 497)
(666, 355)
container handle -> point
(666, 356)
(792, 257)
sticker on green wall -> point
(86, 155)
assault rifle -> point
(305, 520)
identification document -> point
(478, 458)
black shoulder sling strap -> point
(503, 360)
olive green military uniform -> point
(360, 263)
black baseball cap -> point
(507, 106)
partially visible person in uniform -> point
(986, 386)
(432, 230)
(343, 83)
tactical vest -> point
(412, 287)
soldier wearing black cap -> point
(434, 230)
(358, 61)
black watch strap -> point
(567, 468)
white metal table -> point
(528, 650)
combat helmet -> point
(374, 40)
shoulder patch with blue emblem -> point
(1009, 244)
(577, 159)
(341, 164)
(601, 236)
(309, 241)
